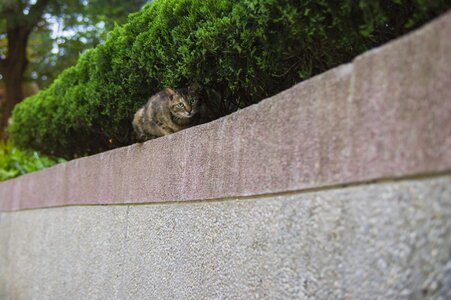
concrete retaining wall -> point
(384, 241)
(338, 188)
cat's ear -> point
(194, 88)
(170, 92)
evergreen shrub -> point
(238, 51)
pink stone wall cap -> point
(386, 115)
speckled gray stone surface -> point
(4, 246)
(380, 241)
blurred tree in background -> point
(40, 38)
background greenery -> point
(68, 28)
(15, 162)
(238, 51)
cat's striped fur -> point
(166, 112)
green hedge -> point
(239, 52)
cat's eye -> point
(192, 100)
(180, 105)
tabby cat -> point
(166, 112)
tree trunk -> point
(13, 70)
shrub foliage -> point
(238, 51)
(15, 162)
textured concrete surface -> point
(387, 114)
(5, 232)
(381, 241)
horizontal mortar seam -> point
(261, 197)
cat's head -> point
(182, 103)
